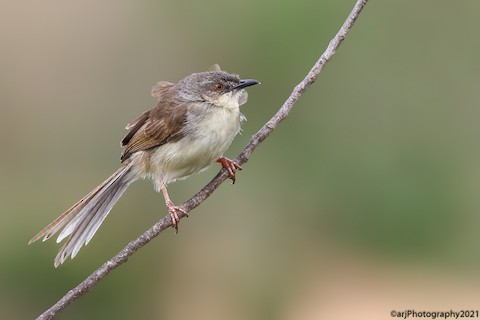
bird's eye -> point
(219, 86)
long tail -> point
(83, 219)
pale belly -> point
(193, 153)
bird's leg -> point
(229, 165)
(172, 209)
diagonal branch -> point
(204, 193)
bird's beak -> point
(245, 83)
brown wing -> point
(158, 126)
(161, 88)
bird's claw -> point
(231, 167)
(172, 210)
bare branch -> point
(206, 191)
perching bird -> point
(191, 126)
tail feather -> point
(83, 219)
(94, 217)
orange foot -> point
(172, 210)
(229, 165)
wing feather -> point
(155, 127)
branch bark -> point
(206, 191)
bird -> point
(191, 126)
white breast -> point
(209, 136)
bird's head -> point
(219, 88)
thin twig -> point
(206, 191)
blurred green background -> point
(365, 200)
